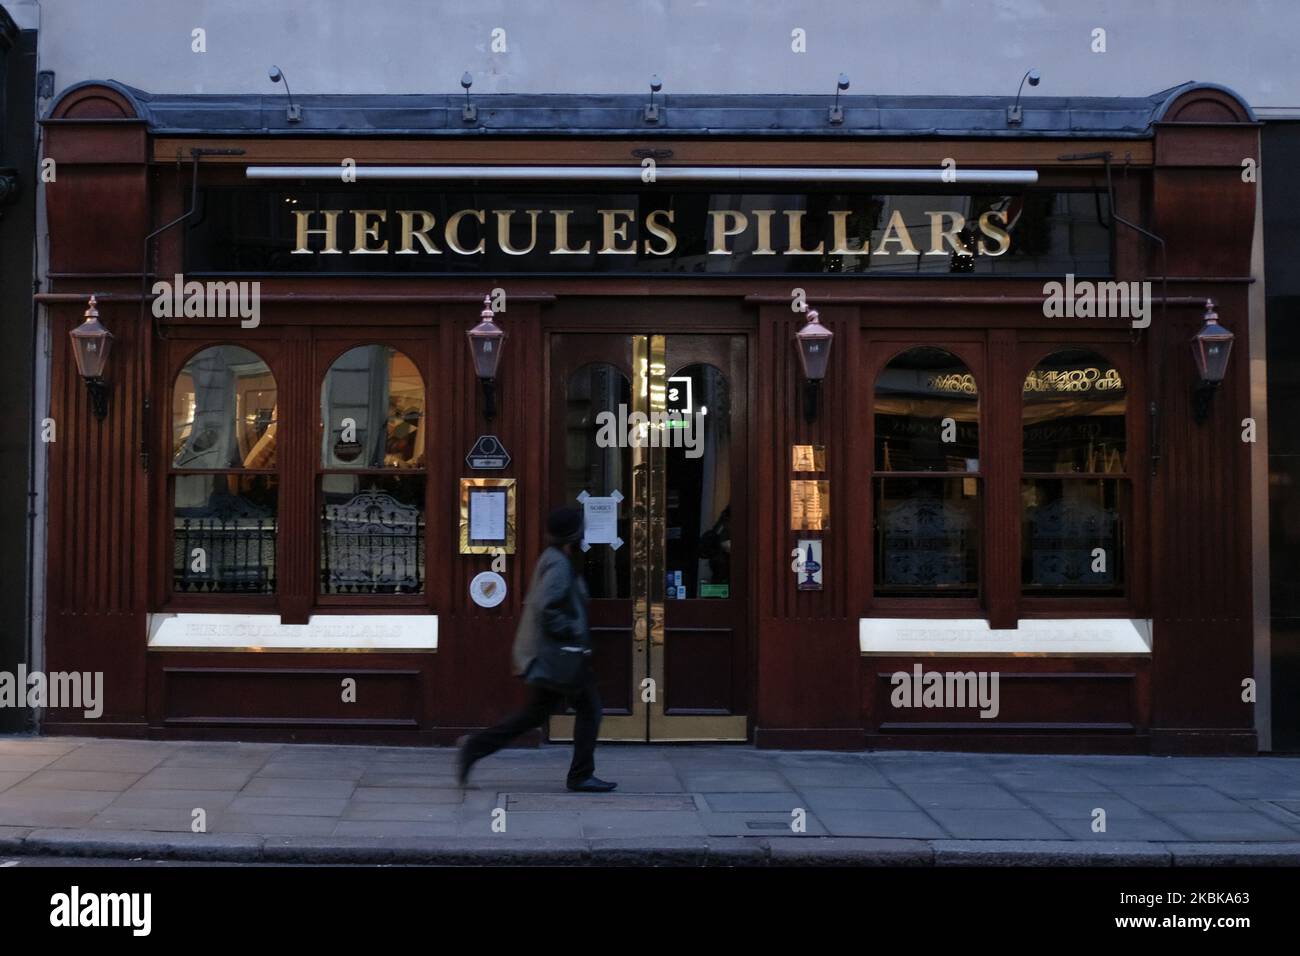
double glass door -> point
(649, 436)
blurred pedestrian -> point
(552, 652)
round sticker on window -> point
(488, 589)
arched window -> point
(927, 476)
(1074, 485)
(223, 474)
(372, 482)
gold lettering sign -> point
(730, 231)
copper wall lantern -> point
(1211, 346)
(485, 342)
(91, 343)
(814, 341)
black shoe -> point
(593, 785)
(463, 763)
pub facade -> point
(896, 421)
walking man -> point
(552, 652)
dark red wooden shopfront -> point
(783, 665)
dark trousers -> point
(541, 703)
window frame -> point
(298, 356)
(179, 354)
(882, 349)
(326, 351)
(1000, 359)
(1120, 352)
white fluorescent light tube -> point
(632, 173)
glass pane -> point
(927, 414)
(372, 534)
(927, 537)
(224, 411)
(698, 485)
(223, 534)
(1073, 536)
(372, 406)
(1074, 415)
(600, 467)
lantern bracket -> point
(98, 390)
(1202, 395)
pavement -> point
(675, 805)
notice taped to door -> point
(600, 520)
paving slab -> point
(10, 777)
(1208, 825)
(176, 819)
(194, 778)
(650, 823)
(881, 823)
(270, 824)
(843, 775)
(297, 787)
(175, 799)
(408, 812)
(419, 795)
(1081, 806)
(731, 802)
(18, 762)
(713, 781)
(984, 824)
(840, 798)
(960, 796)
(759, 824)
(289, 806)
(1123, 828)
(50, 779)
(1161, 798)
(116, 761)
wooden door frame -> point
(627, 308)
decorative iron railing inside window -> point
(372, 545)
(223, 555)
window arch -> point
(1074, 483)
(223, 474)
(926, 485)
(371, 496)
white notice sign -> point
(487, 515)
(600, 520)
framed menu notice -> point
(487, 515)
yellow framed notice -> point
(810, 505)
(807, 458)
(487, 515)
